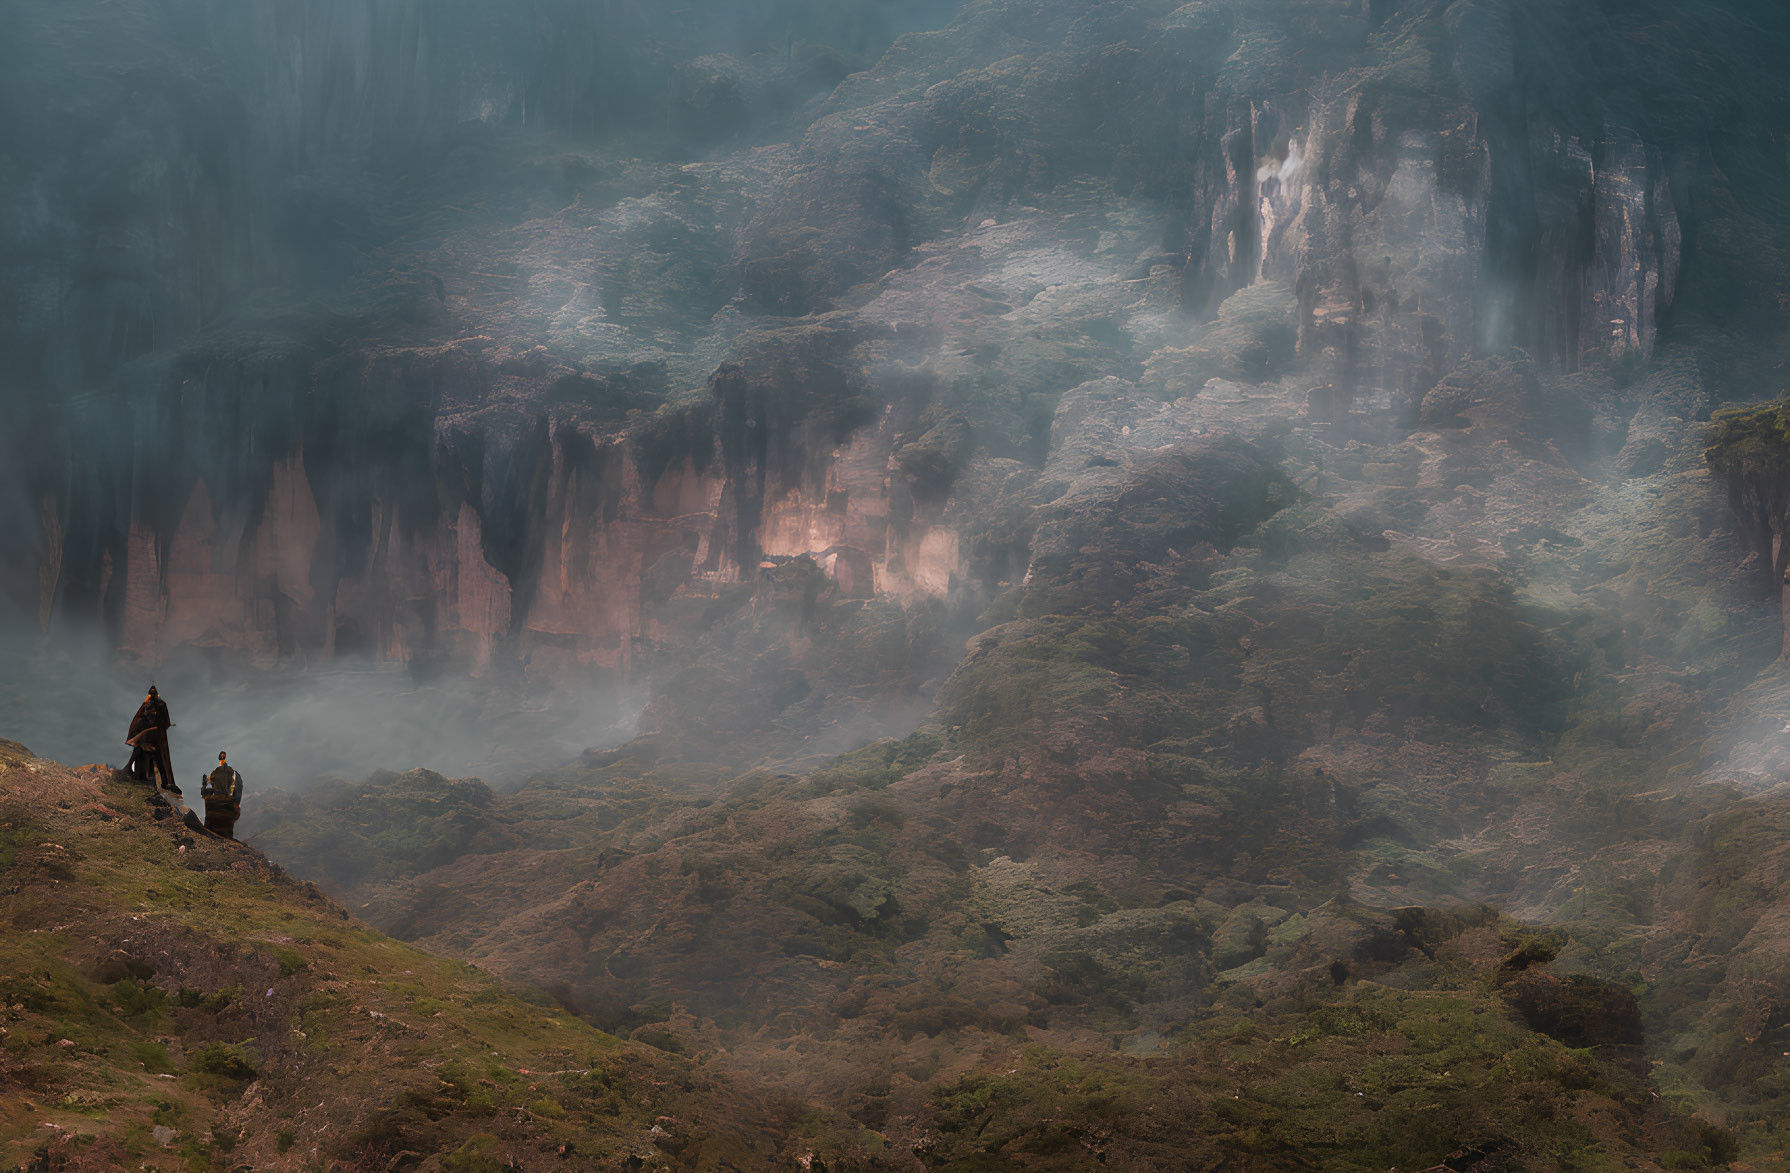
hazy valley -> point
(1019, 584)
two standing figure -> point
(151, 761)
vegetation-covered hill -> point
(173, 1001)
(1180, 794)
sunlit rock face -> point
(542, 541)
(419, 333)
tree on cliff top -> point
(1749, 452)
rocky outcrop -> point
(510, 534)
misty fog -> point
(73, 701)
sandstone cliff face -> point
(570, 396)
(601, 554)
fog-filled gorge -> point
(959, 584)
(291, 730)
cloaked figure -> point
(148, 739)
(222, 791)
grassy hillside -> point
(173, 1001)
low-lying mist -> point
(70, 700)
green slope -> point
(174, 1001)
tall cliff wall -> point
(426, 363)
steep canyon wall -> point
(403, 474)
(508, 536)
